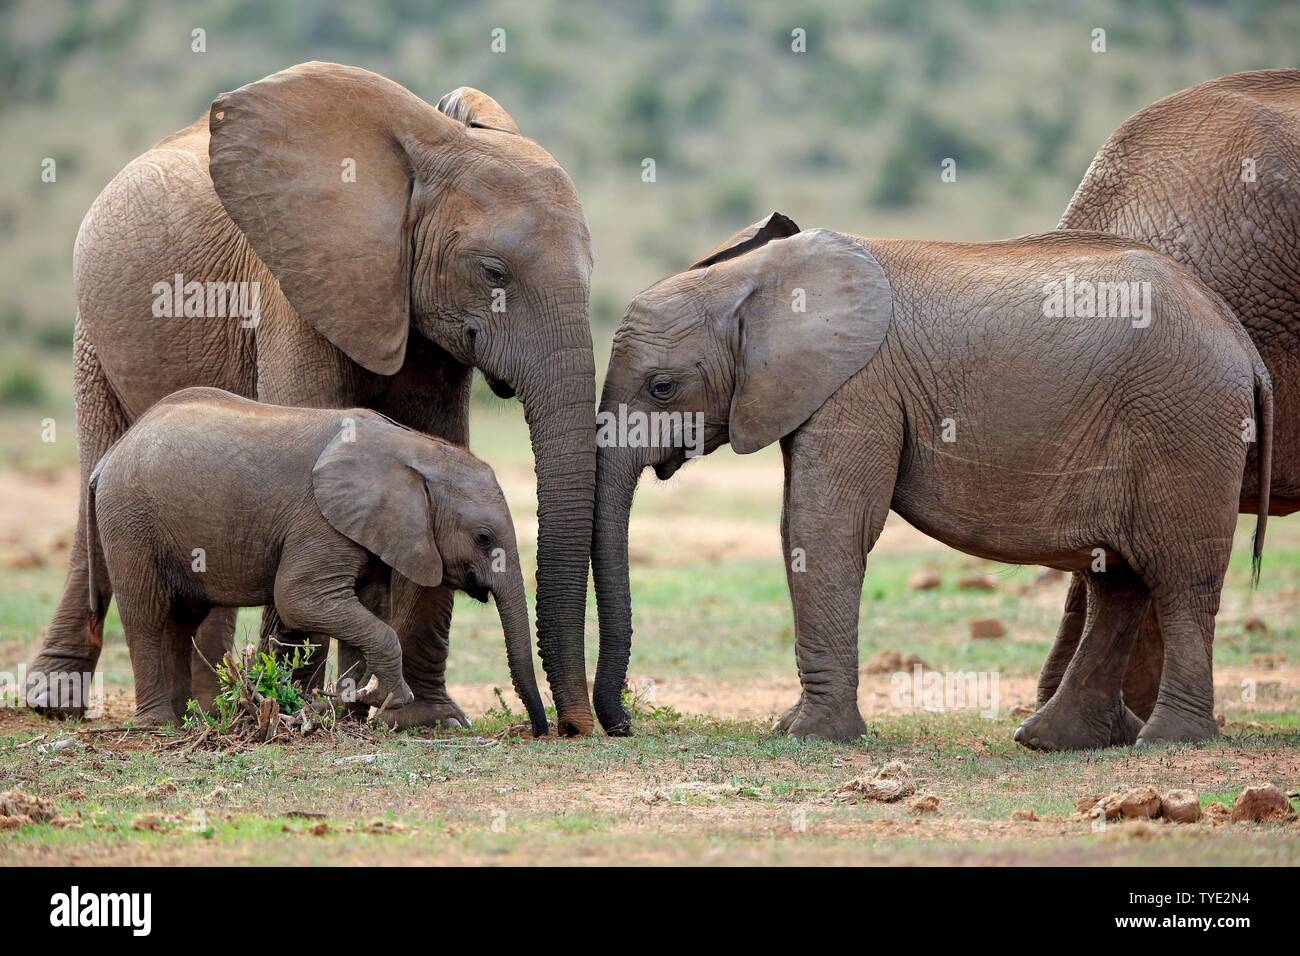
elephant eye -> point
(662, 388)
(482, 537)
(495, 274)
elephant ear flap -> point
(812, 311)
(775, 226)
(370, 492)
(475, 108)
(313, 164)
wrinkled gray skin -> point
(307, 510)
(376, 290)
(1071, 435)
(1175, 177)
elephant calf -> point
(212, 500)
(1070, 399)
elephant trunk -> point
(513, 609)
(560, 408)
(617, 473)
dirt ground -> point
(702, 780)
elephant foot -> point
(1079, 724)
(159, 715)
(1124, 732)
(57, 685)
(1169, 726)
(441, 712)
(842, 724)
(391, 694)
(787, 719)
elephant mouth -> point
(667, 468)
(476, 588)
(499, 388)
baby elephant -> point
(1068, 399)
(212, 500)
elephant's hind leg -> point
(1184, 709)
(75, 637)
(214, 637)
(156, 640)
(1087, 711)
(1068, 634)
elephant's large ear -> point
(475, 108)
(368, 488)
(810, 312)
(314, 165)
(775, 226)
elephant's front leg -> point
(833, 518)
(422, 619)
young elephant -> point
(212, 500)
(961, 386)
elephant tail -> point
(1264, 420)
(96, 565)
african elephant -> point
(213, 500)
(326, 238)
(922, 377)
(1211, 177)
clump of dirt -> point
(890, 661)
(924, 580)
(986, 628)
(891, 782)
(928, 803)
(1264, 804)
(1180, 806)
(976, 582)
(18, 809)
(1254, 624)
(1141, 803)
(1217, 814)
(1024, 816)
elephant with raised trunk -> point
(379, 250)
(1210, 176)
(944, 381)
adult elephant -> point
(1211, 177)
(386, 248)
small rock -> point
(928, 803)
(1254, 624)
(1141, 803)
(890, 661)
(1180, 806)
(985, 628)
(1027, 816)
(924, 580)
(976, 582)
(1266, 804)
(162, 790)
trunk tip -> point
(616, 721)
(575, 724)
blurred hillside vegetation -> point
(849, 134)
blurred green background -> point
(848, 134)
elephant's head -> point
(382, 216)
(749, 342)
(435, 514)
